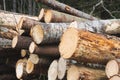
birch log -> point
(85, 73)
(82, 45)
(55, 16)
(65, 8)
(10, 19)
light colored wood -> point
(82, 45)
(55, 16)
(62, 67)
(112, 68)
(52, 71)
(11, 19)
(42, 14)
(116, 77)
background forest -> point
(104, 9)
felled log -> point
(45, 51)
(112, 68)
(85, 73)
(51, 32)
(26, 24)
(55, 16)
(21, 42)
(82, 45)
(65, 8)
(9, 34)
(34, 58)
(115, 77)
(24, 53)
(52, 71)
(40, 68)
(11, 19)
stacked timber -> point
(63, 45)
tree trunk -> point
(21, 42)
(82, 45)
(10, 19)
(45, 51)
(112, 68)
(51, 32)
(55, 16)
(85, 73)
(65, 8)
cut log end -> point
(116, 77)
(48, 16)
(19, 70)
(112, 68)
(73, 73)
(34, 58)
(32, 47)
(68, 43)
(41, 15)
(37, 34)
(14, 41)
(23, 53)
(61, 68)
(19, 25)
(29, 66)
(52, 71)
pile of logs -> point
(64, 46)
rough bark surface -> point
(82, 45)
(55, 16)
(10, 19)
(53, 31)
(65, 8)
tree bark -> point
(65, 8)
(85, 73)
(5, 43)
(55, 16)
(82, 45)
(9, 34)
(53, 31)
(10, 19)
(112, 68)
(21, 42)
(45, 51)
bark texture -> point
(10, 19)
(65, 8)
(82, 45)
